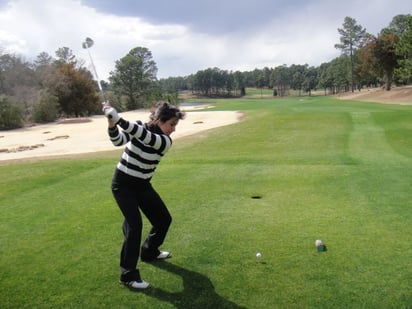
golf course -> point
(291, 171)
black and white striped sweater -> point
(144, 147)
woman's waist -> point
(124, 178)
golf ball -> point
(258, 255)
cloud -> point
(187, 36)
(204, 16)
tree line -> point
(366, 61)
(61, 86)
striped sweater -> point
(144, 148)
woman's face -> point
(169, 126)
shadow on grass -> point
(198, 290)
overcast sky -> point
(186, 36)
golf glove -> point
(111, 113)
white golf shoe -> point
(163, 255)
(132, 280)
(136, 285)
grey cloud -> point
(208, 16)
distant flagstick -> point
(86, 45)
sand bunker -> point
(398, 95)
(87, 135)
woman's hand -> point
(109, 111)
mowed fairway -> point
(325, 169)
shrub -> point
(11, 116)
(46, 109)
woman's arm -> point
(118, 138)
(160, 142)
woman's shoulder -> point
(153, 128)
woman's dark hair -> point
(165, 111)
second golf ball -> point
(258, 255)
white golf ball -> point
(258, 255)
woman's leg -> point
(132, 227)
(157, 213)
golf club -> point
(86, 45)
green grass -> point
(258, 92)
(325, 169)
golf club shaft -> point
(97, 77)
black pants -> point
(133, 196)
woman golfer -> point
(146, 144)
